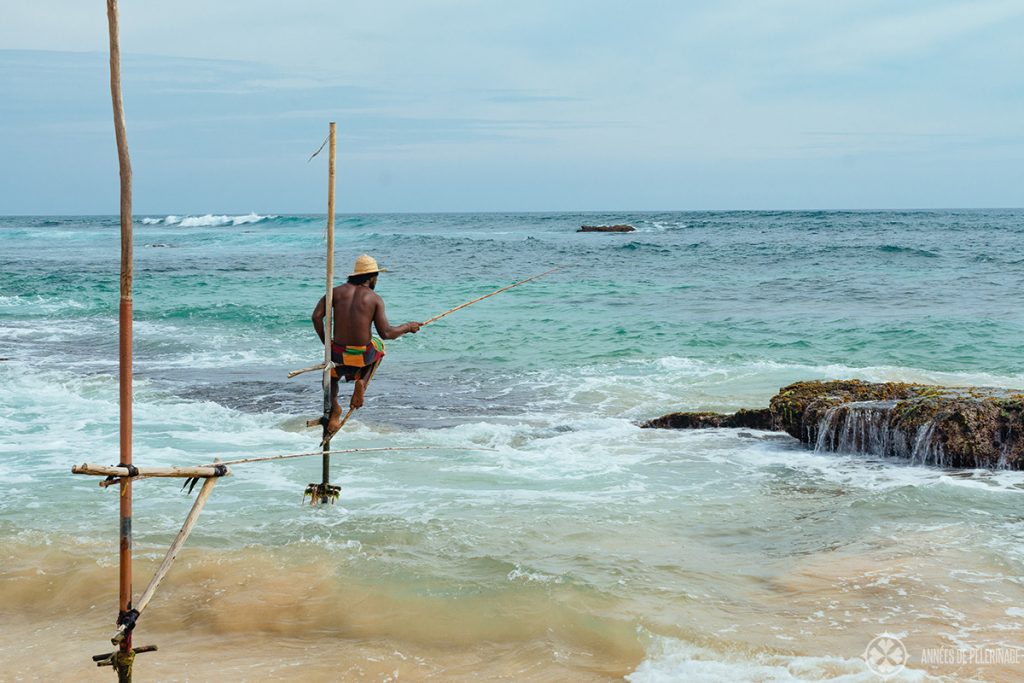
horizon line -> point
(164, 214)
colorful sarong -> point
(357, 356)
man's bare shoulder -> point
(369, 295)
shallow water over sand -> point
(570, 544)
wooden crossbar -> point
(183, 472)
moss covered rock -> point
(945, 426)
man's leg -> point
(335, 420)
(358, 391)
(362, 378)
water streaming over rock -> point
(944, 426)
(875, 428)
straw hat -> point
(365, 265)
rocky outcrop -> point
(931, 425)
(751, 419)
(607, 228)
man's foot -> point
(335, 422)
(358, 392)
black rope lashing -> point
(133, 471)
(218, 471)
(127, 618)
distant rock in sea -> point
(607, 228)
(962, 427)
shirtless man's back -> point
(355, 307)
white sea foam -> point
(521, 574)
(207, 220)
(640, 389)
(168, 430)
(662, 226)
(556, 483)
(670, 660)
(850, 472)
(38, 304)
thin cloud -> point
(879, 39)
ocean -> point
(534, 532)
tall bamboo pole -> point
(124, 324)
(328, 315)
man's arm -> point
(384, 328)
(318, 318)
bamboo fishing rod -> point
(320, 366)
(487, 296)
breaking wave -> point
(206, 221)
(675, 660)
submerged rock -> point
(607, 228)
(931, 425)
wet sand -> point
(255, 614)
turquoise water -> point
(915, 289)
(668, 544)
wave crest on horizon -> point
(206, 220)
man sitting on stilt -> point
(357, 352)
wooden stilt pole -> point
(125, 338)
(328, 319)
(326, 442)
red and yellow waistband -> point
(357, 356)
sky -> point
(534, 105)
